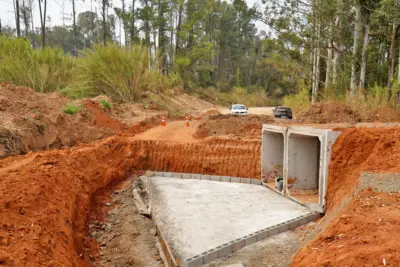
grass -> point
(44, 70)
(123, 74)
(105, 104)
(71, 109)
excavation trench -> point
(47, 196)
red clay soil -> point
(222, 125)
(366, 233)
(101, 118)
(358, 150)
(30, 121)
(329, 112)
(46, 198)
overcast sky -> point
(57, 7)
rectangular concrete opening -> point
(273, 146)
(303, 179)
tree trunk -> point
(364, 60)
(74, 26)
(104, 2)
(17, 18)
(0, 28)
(43, 21)
(317, 57)
(356, 60)
(178, 27)
(25, 18)
(338, 46)
(33, 28)
(132, 30)
(391, 60)
(329, 65)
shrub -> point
(120, 73)
(71, 109)
(44, 70)
(298, 102)
(105, 104)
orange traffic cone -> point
(163, 121)
(187, 124)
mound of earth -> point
(383, 114)
(31, 121)
(329, 112)
(222, 125)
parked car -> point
(283, 112)
(239, 109)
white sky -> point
(55, 10)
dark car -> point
(283, 112)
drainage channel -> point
(202, 218)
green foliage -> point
(71, 109)
(298, 102)
(105, 104)
(120, 73)
(44, 70)
(251, 98)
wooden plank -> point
(139, 204)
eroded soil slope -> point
(31, 121)
(46, 197)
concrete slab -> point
(200, 216)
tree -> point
(17, 17)
(43, 20)
(74, 26)
(104, 7)
(26, 16)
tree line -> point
(336, 47)
(347, 47)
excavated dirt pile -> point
(365, 232)
(235, 126)
(46, 197)
(31, 121)
(384, 114)
(329, 112)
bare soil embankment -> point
(46, 197)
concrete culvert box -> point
(307, 160)
(303, 163)
(273, 152)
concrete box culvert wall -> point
(303, 162)
(306, 155)
(273, 151)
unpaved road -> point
(252, 111)
(174, 131)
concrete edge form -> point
(237, 244)
(226, 179)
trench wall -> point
(219, 157)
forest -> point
(307, 51)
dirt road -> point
(252, 111)
(174, 131)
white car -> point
(239, 109)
